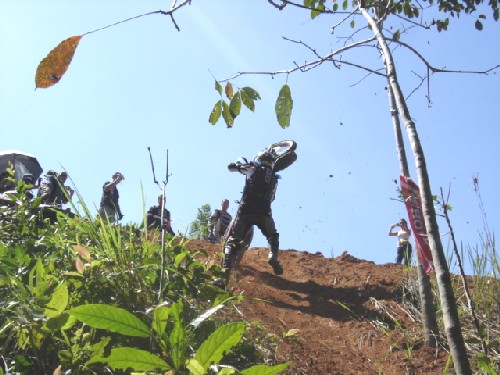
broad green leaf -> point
(218, 343)
(229, 90)
(235, 104)
(251, 93)
(247, 101)
(177, 337)
(216, 112)
(160, 319)
(54, 65)
(226, 115)
(131, 358)
(111, 318)
(352, 24)
(478, 25)
(58, 302)
(344, 5)
(284, 106)
(218, 87)
(265, 370)
(195, 368)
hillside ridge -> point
(339, 315)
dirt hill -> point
(337, 315)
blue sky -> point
(143, 84)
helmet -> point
(265, 158)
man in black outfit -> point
(255, 209)
(153, 217)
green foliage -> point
(83, 296)
(229, 111)
(199, 227)
(284, 106)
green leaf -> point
(218, 87)
(235, 104)
(478, 25)
(265, 370)
(218, 343)
(160, 319)
(344, 5)
(131, 358)
(251, 93)
(247, 101)
(58, 302)
(177, 337)
(111, 318)
(284, 106)
(226, 115)
(352, 24)
(216, 112)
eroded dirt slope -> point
(346, 313)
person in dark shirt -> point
(153, 217)
(110, 208)
(255, 209)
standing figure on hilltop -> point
(153, 217)
(403, 245)
(109, 208)
(219, 222)
(51, 189)
(255, 209)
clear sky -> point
(143, 84)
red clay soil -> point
(342, 315)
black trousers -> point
(404, 253)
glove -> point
(233, 167)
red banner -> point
(413, 203)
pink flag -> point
(413, 203)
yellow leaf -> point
(229, 90)
(54, 65)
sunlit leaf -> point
(229, 90)
(235, 104)
(226, 115)
(112, 318)
(247, 101)
(131, 358)
(344, 5)
(216, 112)
(54, 65)
(218, 87)
(219, 343)
(284, 106)
(251, 93)
(58, 301)
(265, 369)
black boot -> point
(273, 262)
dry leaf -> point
(84, 253)
(54, 65)
(79, 265)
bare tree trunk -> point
(450, 313)
(429, 322)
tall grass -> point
(79, 294)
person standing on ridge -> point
(153, 217)
(404, 245)
(219, 222)
(109, 208)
